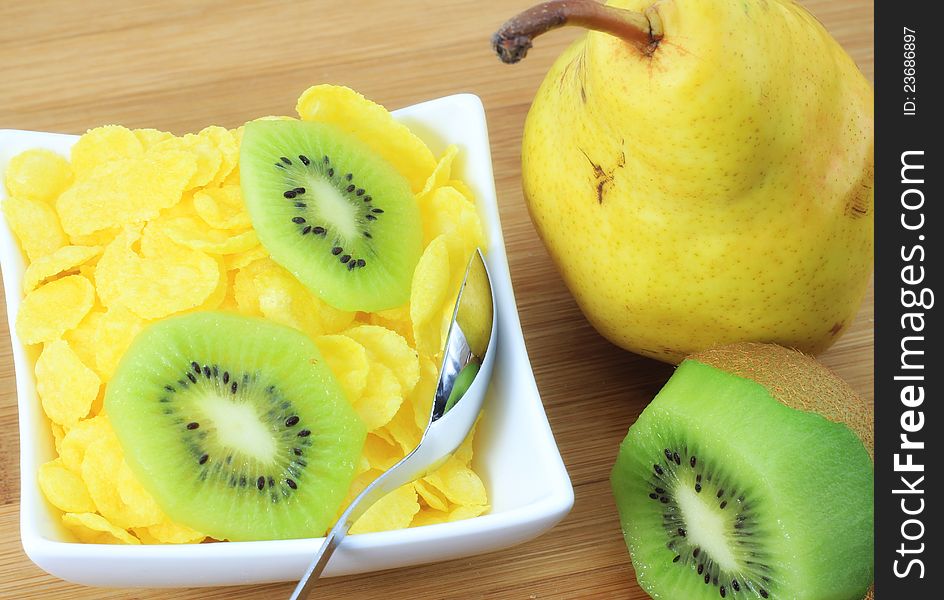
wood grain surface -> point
(180, 65)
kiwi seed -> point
(249, 403)
(326, 171)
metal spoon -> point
(468, 357)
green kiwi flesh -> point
(724, 492)
(461, 385)
(236, 426)
(331, 211)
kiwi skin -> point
(780, 369)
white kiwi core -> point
(238, 426)
(333, 209)
(707, 526)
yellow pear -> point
(701, 171)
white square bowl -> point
(515, 452)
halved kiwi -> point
(236, 426)
(725, 492)
(331, 211)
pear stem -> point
(514, 39)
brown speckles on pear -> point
(601, 176)
(859, 201)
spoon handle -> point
(410, 468)
(332, 541)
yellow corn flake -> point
(99, 238)
(144, 535)
(393, 511)
(77, 440)
(458, 483)
(58, 433)
(284, 300)
(402, 428)
(380, 454)
(104, 472)
(240, 260)
(347, 359)
(425, 392)
(229, 298)
(350, 111)
(202, 152)
(429, 516)
(232, 178)
(244, 286)
(215, 300)
(88, 271)
(153, 241)
(440, 176)
(124, 192)
(383, 434)
(222, 207)
(468, 511)
(115, 331)
(382, 398)
(63, 488)
(226, 145)
(38, 174)
(168, 532)
(428, 293)
(265, 288)
(431, 496)
(446, 210)
(172, 281)
(66, 387)
(192, 233)
(430, 334)
(184, 208)
(334, 320)
(463, 188)
(52, 309)
(91, 528)
(151, 137)
(102, 146)
(363, 465)
(140, 507)
(394, 319)
(463, 453)
(36, 225)
(99, 403)
(391, 349)
(82, 338)
(400, 313)
(100, 466)
(65, 259)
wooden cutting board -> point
(180, 65)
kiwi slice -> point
(724, 491)
(236, 426)
(331, 211)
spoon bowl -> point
(468, 360)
